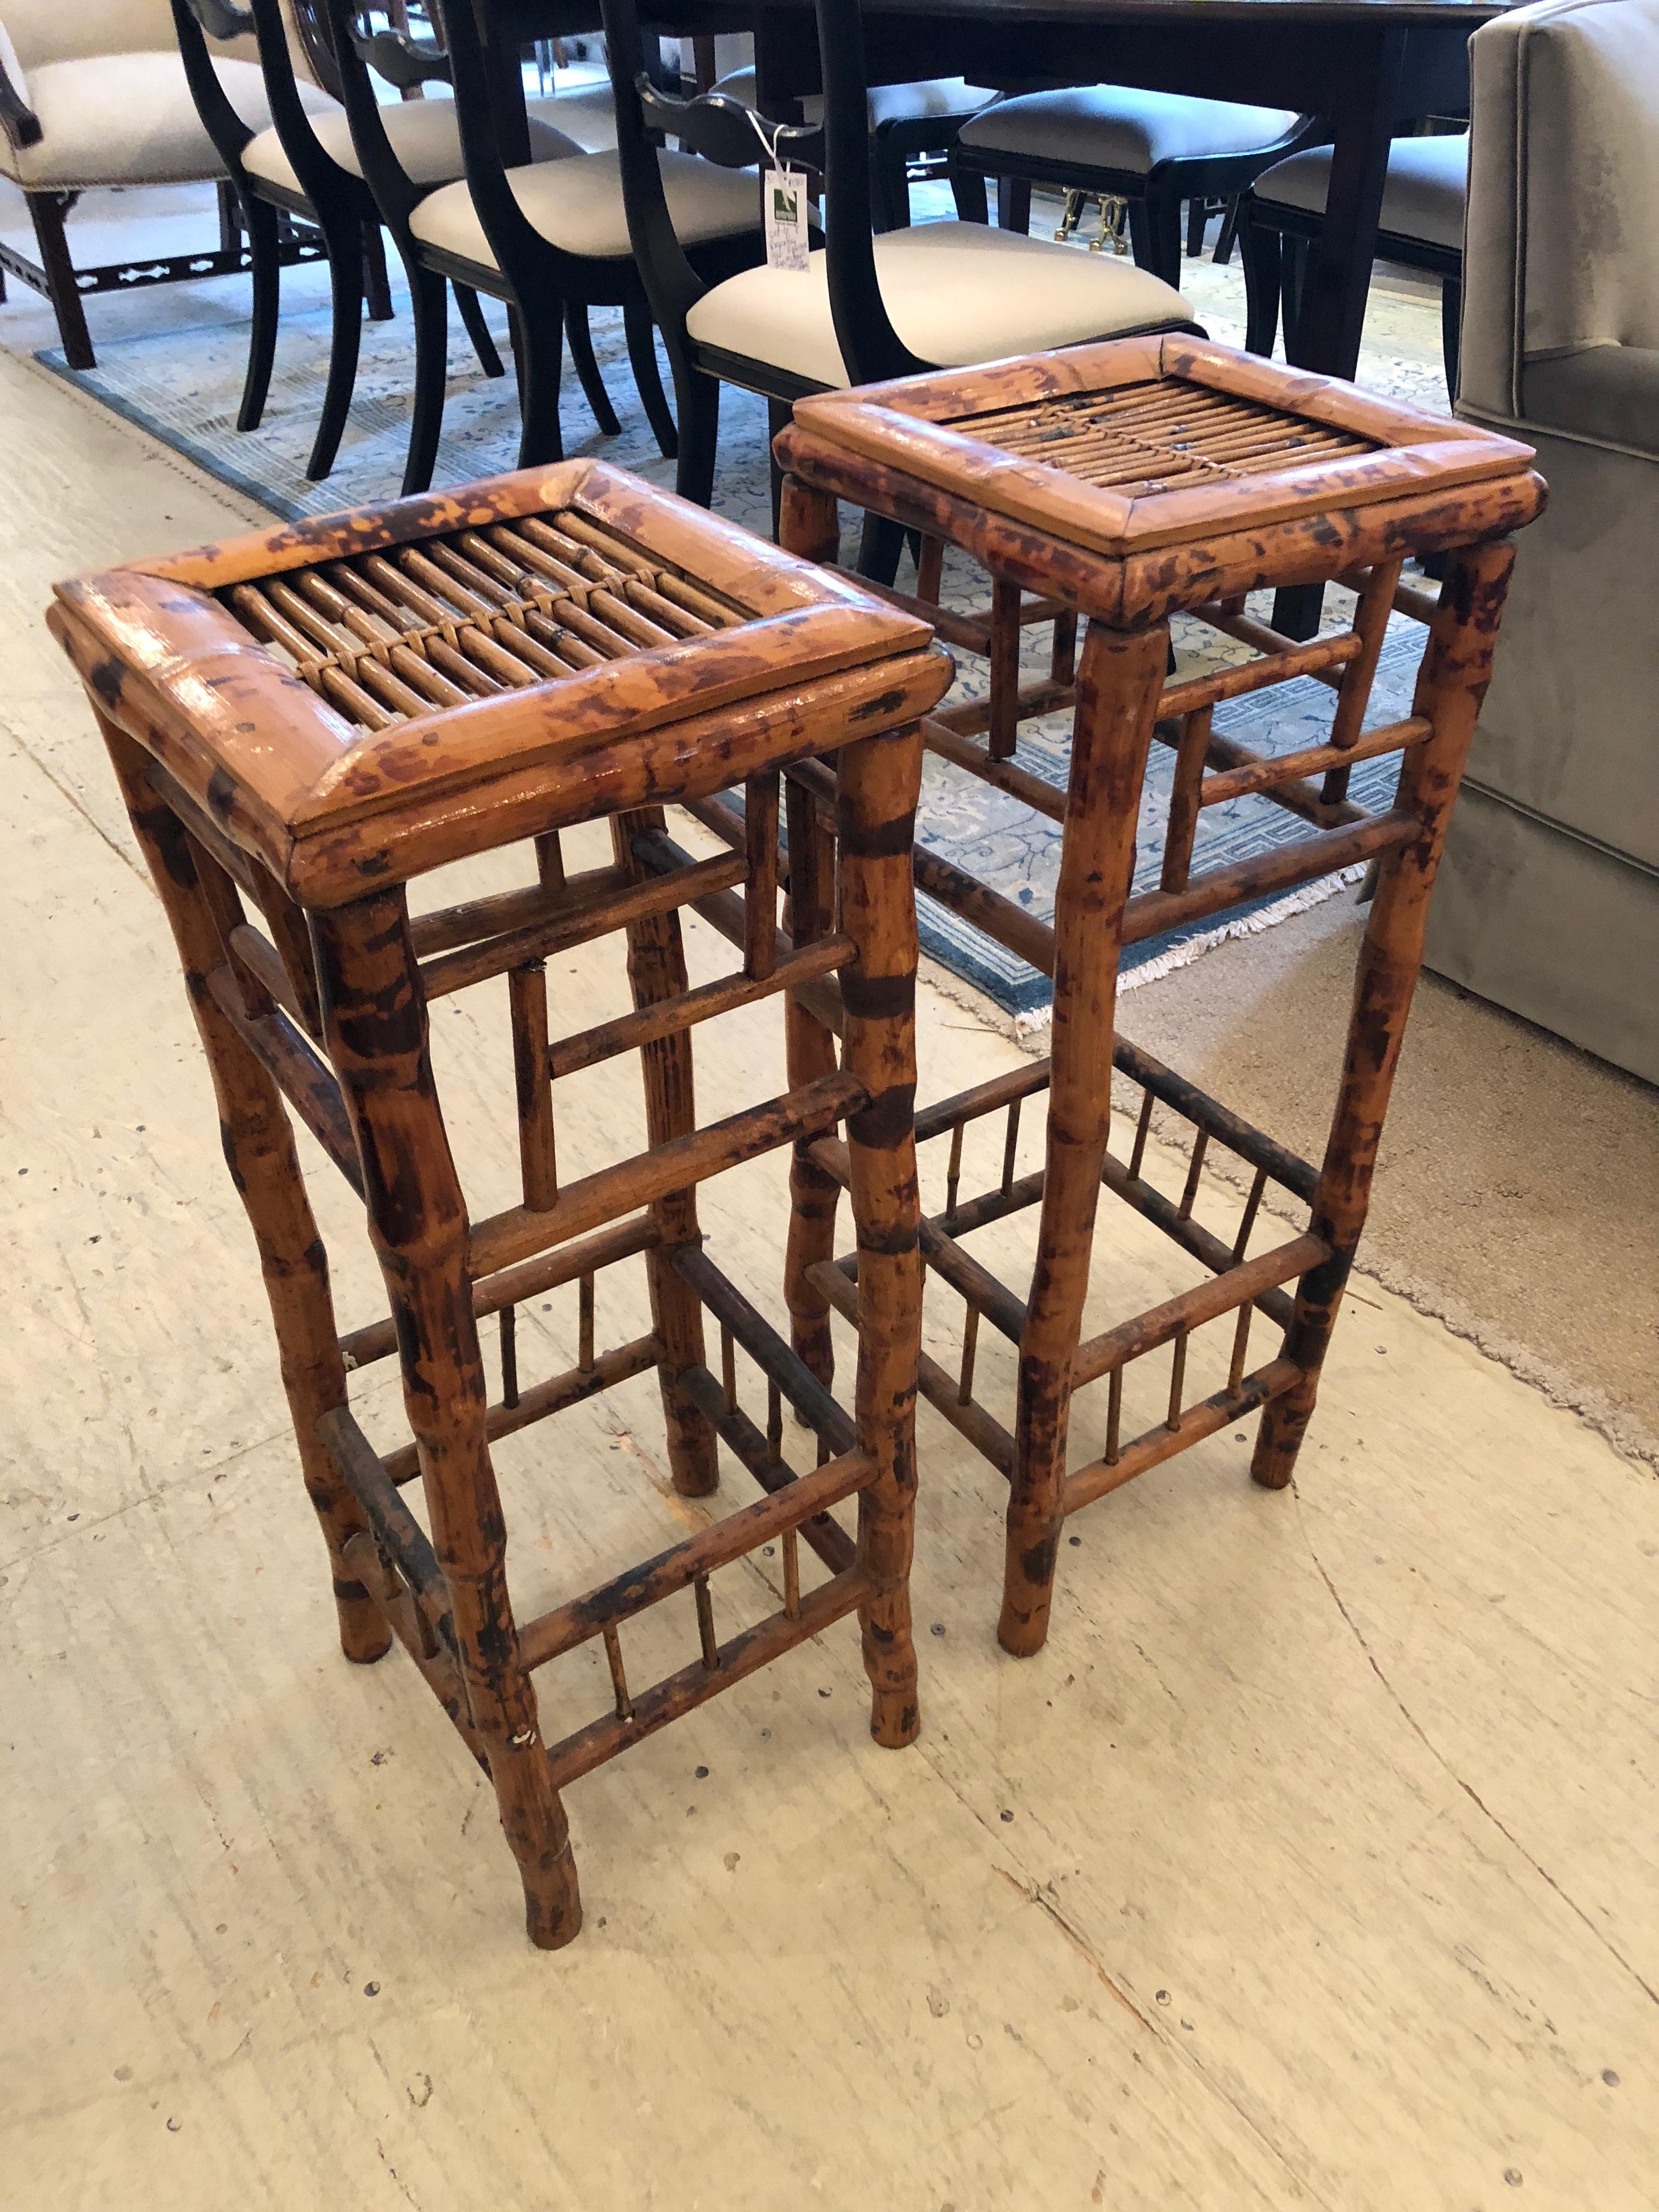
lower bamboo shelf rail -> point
(675, 1569)
(1085, 1484)
(743, 1654)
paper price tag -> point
(784, 196)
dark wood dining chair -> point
(869, 306)
(911, 125)
(303, 169)
(1421, 227)
(1155, 152)
(549, 240)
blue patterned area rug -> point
(183, 386)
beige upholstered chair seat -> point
(424, 136)
(956, 292)
(888, 103)
(577, 205)
(1110, 126)
(128, 119)
(1424, 197)
(588, 116)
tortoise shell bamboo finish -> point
(305, 721)
(1122, 484)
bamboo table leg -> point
(814, 1193)
(258, 1147)
(376, 1026)
(656, 971)
(880, 781)
(1120, 679)
(1450, 687)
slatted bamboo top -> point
(370, 694)
(1137, 444)
(386, 635)
(1160, 435)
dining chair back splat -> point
(1121, 485)
(303, 167)
(868, 307)
(307, 723)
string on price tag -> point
(783, 206)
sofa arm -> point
(1605, 395)
(18, 120)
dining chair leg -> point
(1157, 246)
(698, 405)
(587, 369)
(778, 414)
(967, 191)
(881, 544)
(1292, 291)
(1451, 318)
(1120, 681)
(46, 213)
(377, 290)
(641, 334)
(515, 342)
(477, 330)
(542, 332)
(1228, 236)
(345, 271)
(1261, 250)
(1198, 217)
(259, 220)
(428, 295)
(1014, 204)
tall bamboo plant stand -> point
(1123, 484)
(307, 723)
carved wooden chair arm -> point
(223, 19)
(724, 130)
(17, 118)
(404, 62)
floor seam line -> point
(1467, 1789)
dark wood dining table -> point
(1368, 67)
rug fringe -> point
(1029, 1027)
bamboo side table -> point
(1126, 482)
(306, 722)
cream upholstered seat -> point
(588, 115)
(577, 205)
(1114, 126)
(1423, 197)
(127, 118)
(1153, 151)
(97, 95)
(424, 136)
(956, 293)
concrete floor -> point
(1312, 1863)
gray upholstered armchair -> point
(1548, 897)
